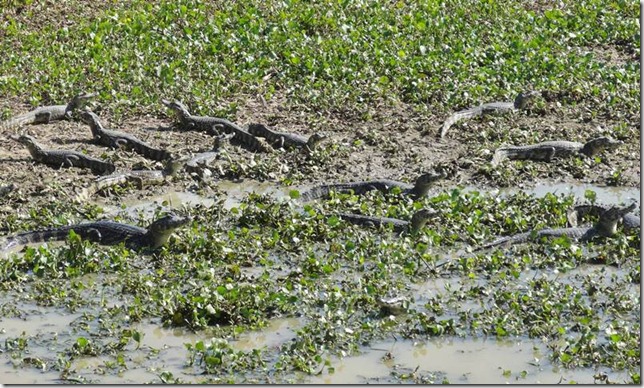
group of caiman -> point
(260, 138)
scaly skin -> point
(285, 139)
(520, 102)
(548, 150)
(201, 161)
(418, 221)
(606, 226)
(116, 139)
(64, 158)
(629, 221)
(107, 233)
(250, 142)
(210, 125)
(47, 114)
(140, 178)
(416, 191)
(215, 126)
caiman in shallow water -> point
(418, 190)
(418, 220)
(106, 233)
(606, 226)
(629, 221)
(139, 178)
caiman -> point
(216, 126)
(210, 125)
(64, 158)
(606, 226)
(6, 189)
(251, 142)
(117, 139)
(285, 139)
(106, 233)
(416, 191)
(520, 102)
(139, 178)
(418, 220)
(548, 150)
(200, 164)
(629, 221)
(47, 114)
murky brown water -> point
(458, 361)
(453, 359)
(605, 194)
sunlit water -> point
(467, 360)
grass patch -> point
(332, 56)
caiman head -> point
(177, 107)
(524, 98)
(27, 140)
(80, 100)
(314, 140)
(160, 230)
(599, 144)
(91, 119)
(172, 166)
(425, 182)
(420, 218)
(607, 224)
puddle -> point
(605, 194)
(142, 365)
(485, 361)
(236, 191)
(43, 329)
(459, 361)
(278, 332)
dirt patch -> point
(58, 14)
(394, 142)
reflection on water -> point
(605, 194)
(43, 328)
(452, 359)
(236, 191)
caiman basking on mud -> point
(606, 226)
(106, 233)
(416, 191)
(285, 139)
(138, 178)
(210, 125)
(47, 114)
(418, 220)
(64, 158)
(548, 150)
(520, 102)
(216, 126)
(117, 139)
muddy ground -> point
(389, 141)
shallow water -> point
(458, 361)
(605, 194)
(453, 359)
(236, 191)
